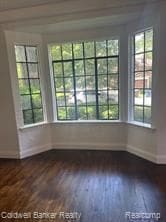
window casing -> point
(86, 79)
(142, 76)
(29, 83)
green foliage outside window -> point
(86, 78)
(143, 60)
(29, 84)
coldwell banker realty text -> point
(66, 216)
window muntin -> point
(86, 77)
(29, 83)
(142, 76)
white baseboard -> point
(8, 154)
(35, 150)
(90, 146)
(142, 153)
(161, 159)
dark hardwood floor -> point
(101, 185)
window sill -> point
(143, 125)
(133, 123)
(33, 125)
(87, 121)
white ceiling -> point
(80, 24)
(48, 16)
(17, 4)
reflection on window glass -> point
(29, 83)
(143, 59)
(86, 77)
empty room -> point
(83, 110)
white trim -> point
(88, 121)
(140, 124)
(33, 125)
(90, 146)
(34, 150)
(161, 159)
(8, 154)
(142, 153)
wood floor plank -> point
(101, 185)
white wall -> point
(37, 138)
(34, 140)
(142, 141)
(109, 136)
(148, 143)
(161, 89)
(8, 132)
(92, 135)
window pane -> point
(59, 84)
(148, 79)
(138, 113)
(139, 62)
(28, 117)
(89, 49)
(113, 112)
(68, 84)
(36, 101)
(148, 97)
(71, 113)
(102, 97)
(113, 96)
(80, 83)
(90, 66)
(79, 68)
(113, 82)
(35, 86)
(113, 47)
(58, 69)
(91, 97)
(26, 102)
(33, 71)
(22, 70)
(91, 112)
(148, 61)
(139, 80)
(149, 40)
(67, 51)
(102, 82)
(81, 97)
(78, 50)
(113, 65)
(90, 82)
(139, 98)
(56, 52)
(82, 115)
(139, 43)
(20, 54)
(101, 49)
(70, 99)
(38, 115)
(60, 99)
(102, 66)
(103, 112)
(61, 113)
(31, 54)
(68, 69)
(24, 86)
(147, 115)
